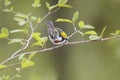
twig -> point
(31, 25)
(71, 43)
(25, 45)
(13, 64)
(51, 12)
(14, 76)
(8, 59)
(41, 20)
(46, 16)
(72, 35)
(101, 39)
(75, 31)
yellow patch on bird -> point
(64, 35)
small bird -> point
(56, 35)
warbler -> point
(56, 35)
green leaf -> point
(66, 6)
(36, 3)
(113, 34)
(62, 2)
(38, 20)
(117, 32)
(75, 16)
(26, 63)
(20, 21)
(8, 9)
(48, 5)
(81, 24)
(91, 32)
(6, 77)
(36, 36)
(63, 20)
(7, 2)
(2, 36)
(21, 15)
(18, 69)
(103, 30)
(38, 43)
(88, 27)
(3, 66)
(53, 7)
(17, 30)
(31, 55)
(4, 33)
(21, 56)
(11, 9)
(44, 40)
(40, 40)
(33, 18)
(15, 41)
(94, 37)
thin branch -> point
(71, 43)
(44, 50)
(49, 13)
(72, 35)
(30, 23)
(54, 10)
(18, 51)
(25, 45)
(14, 76)
(86, 41)
(13, 64)
(109, 38)
(6, 60)
(41, 20)
(75, 31)
(81, 34)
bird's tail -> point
(50, 24)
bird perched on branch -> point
(56, 35)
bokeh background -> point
(87, 61)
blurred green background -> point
(87, 61)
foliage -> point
(2, 66)
(4, 33)
(29, 23)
